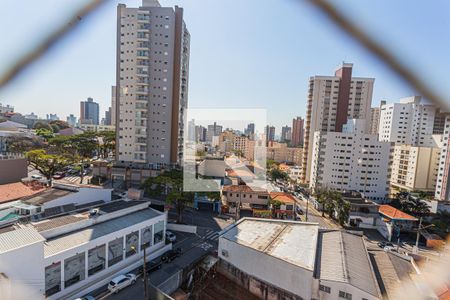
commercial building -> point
(151, 84)
(212, 131)
(414, 168)
(70, 255)
(89, 112)
(410, 122)
(71, 120)
(286, 134)
(298, 132)
(332, 100)
(375, 118)
(305, 262)
(351, 160)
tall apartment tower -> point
(332, 100)
(410, 122)
(89, 112)
(213, 130)
(113, 105)
(298, 132)
(286, 133)
(375, 118)
(442, 192)
(151, 84)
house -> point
(363, 213)
(286, 210)
(393, 221)
(245, 196)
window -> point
(96, 259)
(159, 232)
(115, 251)
(325, 288)
(74, 269)
(52, 279)
(345, 295)
(146, 237)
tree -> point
(322, 196)
(59, 124)
(47, 164)
(107, 143)
(415, 206)
(342, 208)
(22, 144)
(170, 184)
(44, 133)
(441, 222)
(41, 124)
(278, 174)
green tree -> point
(107, 143)
(44, 133)
(441, 222)
(47, 164)
(59, 124)
(322, 195)
(22, 144)
(342, 208)
(42, 124)
(276, 173)
(170, 184)
(415, 206)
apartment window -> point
(345, 295)
(325, 288)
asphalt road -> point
(315, 216)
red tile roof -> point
(239, 173)
(396, 214)
(15, 191)
(282, 197)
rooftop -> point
(83, 236)
(342, 257)
(14, 191)
(395, 214)
(282, 197)
(294, 242)
(14, 239)
(46, 196)
(242, 189)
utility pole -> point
(307, 207)
(145, 274)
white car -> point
(120, 282)
(36, 176)
(171, 237)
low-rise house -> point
(245, 196)
(286, 210)
(363, 213)
(393, 221)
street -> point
(315, 216)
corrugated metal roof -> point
(343, 257)
(18, 238)
(80, 237)
(293, 242)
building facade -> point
(442, 192)
(351, 160)
(375, 118)
(213, 130)
(151, 84)
(332, 100)
(298, 132)
(89, 112)
(71, 120)
(286, 134)
(270, 133)
(4, 109)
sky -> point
(244, 54)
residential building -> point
(286, 134)
(151, 84)
(332, 100)
(302, 259)
(393, 222)
(6, 109)
(286, 210)
(410, 122)
(191, 131)
(89, 112)
(244, 195)
(375, 118)
(213, 130)
(442, 192)
(113, 105)
(96, 128)
(294, 173)
(250, 131)
(363, 213)
(298, 132)
(71, 120)
(52, 117)
(351, 160)
(269, 131)
(68, 256)
(280, 152)
(226, 141)
(414, 168)
(240, 145)
(200, 133)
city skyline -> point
(80, 54)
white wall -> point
(83, 196)
(277, 272)
(341, 286)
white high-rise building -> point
(410, 122)
(151, 84)
(443, 182)
(375, 118)
(332, 100)
(351, 160)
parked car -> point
(171, 255)
(88, 297)
(36, 176)
(152, 265)
(385, 244)
(171, 237)
(120, 282)
(59, 175)
(299, 210)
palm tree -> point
(415, 206)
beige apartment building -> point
(151, 84)
(332, 100)
(414, 168)
(280, 152)
(375, 118)
(226, 141)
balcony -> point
(143, 28)
(142, 90)
(143, 45)
(141, 98)
(141, 140)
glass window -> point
(52, 279)
(131, 243)
(74, 269)
(345, 295)
(115, 251)
(159, 232)
(96, 260)
(325, 288)
(146, 237)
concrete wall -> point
(335, 287)
(83, 196)
(13, 170)
(284, 275)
